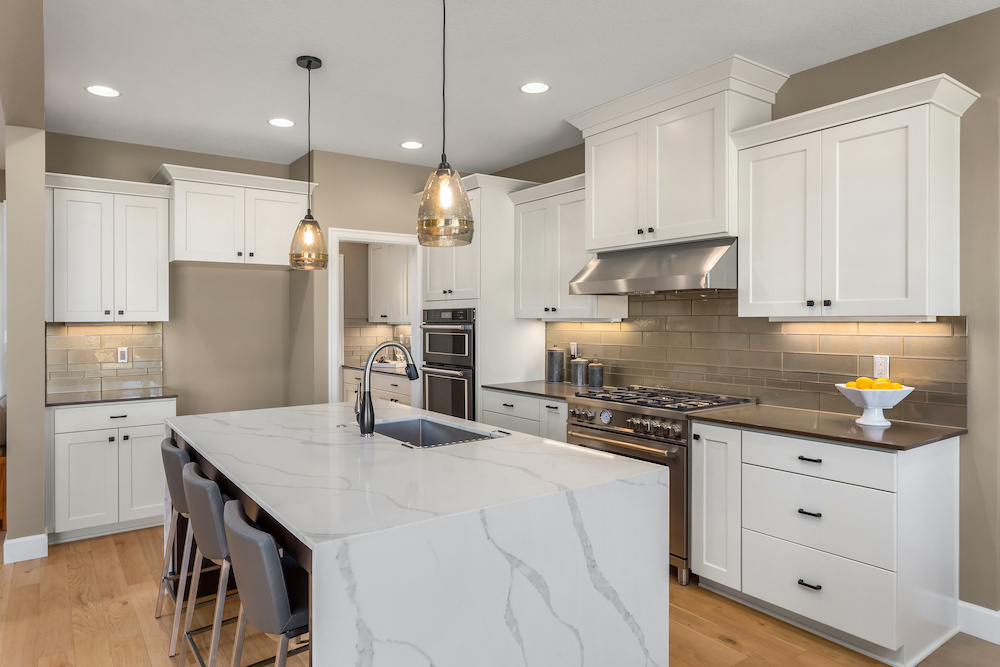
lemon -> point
(896, 385)
(864, 383)
(852, 384)
(881, 383)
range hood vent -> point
(668, 268)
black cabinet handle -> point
(393, 385)
(815, 514)
(552, 407)
(450, 291)
(250, 253)
(810, 303)
(546, 310)
(107, 312)
(124, 437)
(444, 291)
(121, 312)
(817, 587)
(119, 416)
(639, 231)
(696, 436)
(806, 458)
(508, 405)
(650, 230)
(827, 302)
(239, 253)
(111, 439)
(553, 310)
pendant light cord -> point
(309, 154)
(444, 107)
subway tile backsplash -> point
(85, 358)
(361, 337)
(697, 342)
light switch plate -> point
(122, 355)
(881, 366)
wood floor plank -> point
(55, 594)
(67, 659)
(57, 629)
(130, 652)
(88, 613)
(111, 580)
(749, 643)
(92, 649)
(690, 647)
(21, 638)
(133, 563)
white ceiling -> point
(206, 76)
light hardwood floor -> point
(92, 603)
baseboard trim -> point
(25, 548)
(979, 622)
(102, 531)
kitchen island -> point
(516, 550)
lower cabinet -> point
(108, 474)
(544, 417)
(386, 386)
(715, 503)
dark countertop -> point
(84, 397)
(384, 371)
(562, 390)
(829, 426)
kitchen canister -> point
(578, 372)
(596, 372)
(555, 364)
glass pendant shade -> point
(445, 215)
(308, 251)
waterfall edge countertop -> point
(438, 556)
(110, 396)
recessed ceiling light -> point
(281, 122)
(412, 145)
(533, 88)
(103, 91)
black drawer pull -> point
(806, 458)
(817, 587)
(119, 416)
(239, 253)
(121, 312)
(650, 230)
(393, 385)
(251, 254)
(827, 302)
(111, 439)
(546, 310)
(639, 231)
(124, 437)
(450, 291)
(815, 514)
(107, 312)
(553, 309)
(508, 405)
(696, 436)
(552, 407)
(810, 303)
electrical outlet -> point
(122, 355)
(881, 366)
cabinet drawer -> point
(516, 405)
(511, 423)
(390, 396)
(396, 384)
(113, 415)
(841, 463)
(857, 522)
(855, 598)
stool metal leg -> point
(181, 585)
(241, 631)
(220, 606)
(282, 657)
(167, 553)
(189, 617)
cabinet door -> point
(533, 292)
(439, 272)
(86, 479)
(553, 419)
(875, 185)
(350, 392)
(688, 170)
(271, 219)
(566, 255)
(780, 219)
(208, 223)
(142, 274)
(466, 280)
(715, 503)
(616, 187)
(378, 283)
(140, 472)
(398, 284)
(83, 263)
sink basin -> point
(423, 432)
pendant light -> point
(445, 216)
(308, 251)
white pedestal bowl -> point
(874, 401)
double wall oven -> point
(449, 337)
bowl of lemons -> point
(874, 396)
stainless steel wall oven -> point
(449, 373)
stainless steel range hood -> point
(684, 266)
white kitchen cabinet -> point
(207, 222)
(271, 218)
(86, 479)
(534, 415)
(452, 273)
(716, 459)
(388, 283)
(552, 419)
(851, 211)
(659, 165)
(549, 246)
(140, 472)
(109, 253)
(391, 387)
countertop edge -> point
(51, 400)
(543, 394)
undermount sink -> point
(423, 432)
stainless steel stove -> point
(648, 423)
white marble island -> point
(512, 551)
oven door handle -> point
(669, 453)
(441, 371)
(446, 327)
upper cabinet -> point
(549, 252)
(236, 218)
(453, 272)
(109, 250)
(660, 167)
(852, 210)
(388, 283)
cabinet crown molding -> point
(169, 173)
(114, 186)
(941, 91)
(544, 190)
(734, 73)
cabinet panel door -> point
(83, 263)
(780, 218)
(566, 255)
(532, 288)
(142, 274)
(616, 187)
(271, 219)
(511, 423)
(398, 284)
(86, 479)
(687, 170)
(466, 281)
(715, 503)
(553, 419)
(378, 287)
(439, 273)
(140, 472)
(208, 222)
(875, 185)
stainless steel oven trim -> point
(467, 335)
(446, 327)
(442, 371)
(629, 443)
(449, 375)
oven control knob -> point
(674, 430)
(576, 413)
(631, 422)
(590, 416)
(646, 426)
(654, 427)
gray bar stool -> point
(274, 590)
(205, 506)
(174, 460)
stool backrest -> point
(174, 460)
(258, 572)
(205, 507)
